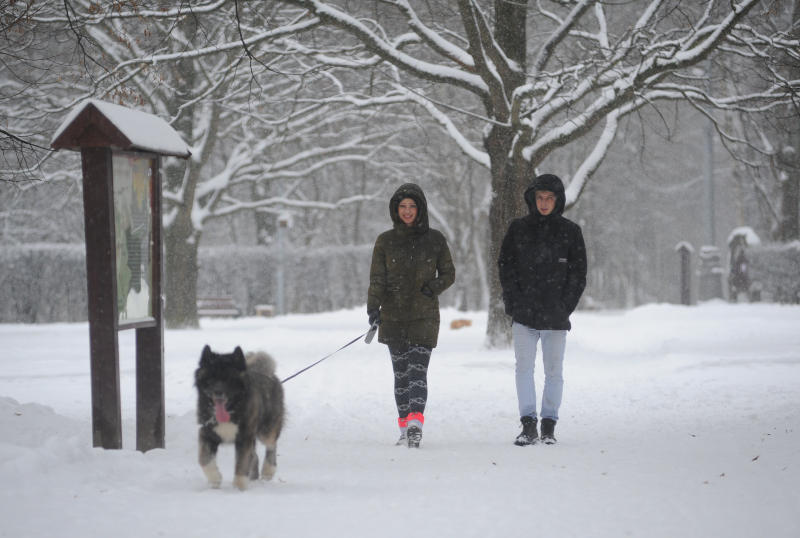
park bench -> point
(217, 307)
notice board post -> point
(121, 152)
(684, 250)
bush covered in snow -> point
(42, 282)
(774, 271)
(315, 280)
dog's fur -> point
(238, 400)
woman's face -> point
(407, 210)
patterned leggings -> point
(410, 365)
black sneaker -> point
(414, 434)
(528, 435)
(548, 431)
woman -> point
(411, 266)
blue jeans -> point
(553, 345)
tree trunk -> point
(181, 239)
(508, 187)
(790, 207)
(789, 158)
(509, 172)
(180, 309)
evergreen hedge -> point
(774, 270)
(45, 283)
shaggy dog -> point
(238, 400)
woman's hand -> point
(374, 317)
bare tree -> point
(31, 61)
(584, 66)
(266, 92)
(261, 124)
(767, 146)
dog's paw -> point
(240, 481)
(213, 475)
(267, 471)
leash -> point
(367, 338)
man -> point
(543, 273)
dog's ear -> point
(205, 363)
(205, 356)
(238, 358)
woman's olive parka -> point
(405, 260)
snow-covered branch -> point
(547, 49)
(232, 205)
(376, 44)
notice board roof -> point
(96, 123)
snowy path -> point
(676, 422)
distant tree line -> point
(46, 283)
(316, 108)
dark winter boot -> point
(528, 435)
(414, 434)
(414, 430)
(548, 431)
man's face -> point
(545, 202)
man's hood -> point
(546, 182)
(413, 191)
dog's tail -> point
(260, 362)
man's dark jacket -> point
(543, 263)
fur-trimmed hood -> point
(413, 191)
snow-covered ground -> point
(677, 421)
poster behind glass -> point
(134, 236)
